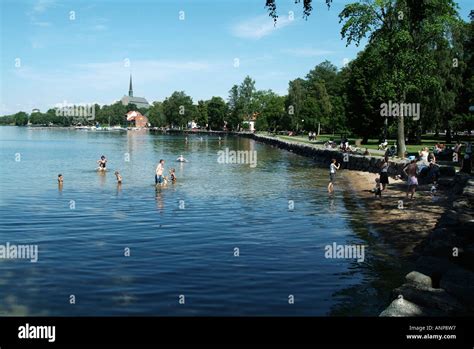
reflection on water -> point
(182, 236)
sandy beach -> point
(403, 223)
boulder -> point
(401, 307)
(432, 298)
(418, 278)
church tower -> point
(130, 89)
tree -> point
(156, 116)
(178, 109)
(201, 114)
(294, 104)
(217, 111)
(234, 106)
(307, 7)
(21, 118)
(404, 32)
(246, 97)
(269, 110)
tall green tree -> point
(155, 114)
(216, 111)
(178, 109)
(201, 114)
(21, 118)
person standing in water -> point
(332, 175)
(102, 163)
(159, 172)
(119, 177)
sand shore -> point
(403, 228)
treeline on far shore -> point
(414, 75)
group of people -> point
(410, 170)
(160, 179)
(311, 136)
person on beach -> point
(384, 174)
(378, 188)
(119, 177)
(173, 175)
(60, 179)
(332, 174)
(410, 171)
(159, 172)
(102, 163)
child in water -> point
(60, 179)
(172, 175)
(119, 177)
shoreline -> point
(426, 231)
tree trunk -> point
(319, 128)
(401, 148)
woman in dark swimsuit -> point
(102, 163)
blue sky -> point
(50, 55)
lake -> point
(233, 239)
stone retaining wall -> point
(353, 161)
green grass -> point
(426, 141)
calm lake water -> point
(181, 238)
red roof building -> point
(137, 118)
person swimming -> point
(119, 177)
(102, 163)
(173, 175)
(181, 159)
(60, 179)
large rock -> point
(432, 298)
(418, 278)
(401, 307)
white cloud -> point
(42, 24)
(259, 27)
(308, 52)
(42, 5)
(99, 27)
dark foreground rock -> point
(444, 278)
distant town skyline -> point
(82, 52)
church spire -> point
(130, 89)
